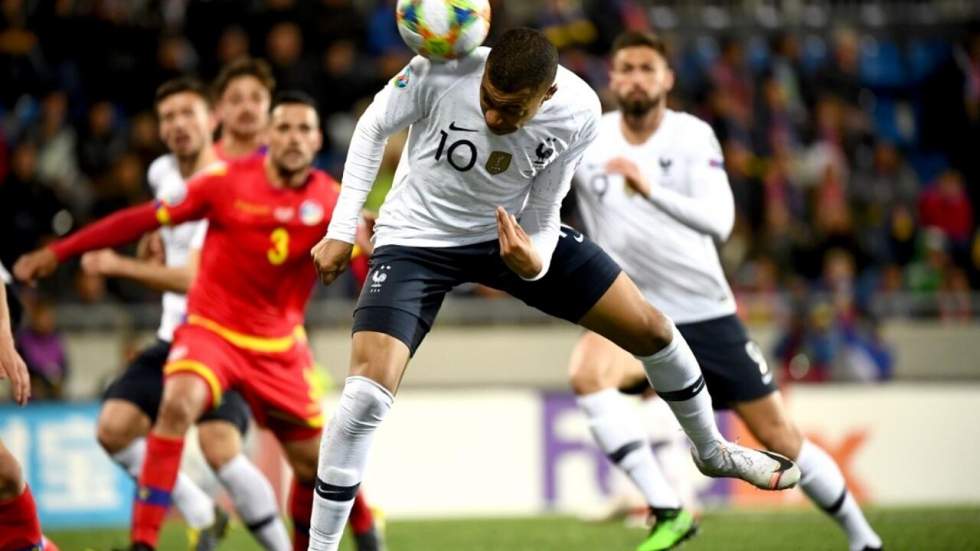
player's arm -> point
(12, 366)
(118, 229)
(152, 274)
(541, 218)
(710, 206)
(405, 100)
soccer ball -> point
(443, 29)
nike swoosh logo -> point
(452, 126)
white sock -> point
(824, 484)
(343, 454)
(675, 374)
(616, 428)
(194, 504)
(255, 502)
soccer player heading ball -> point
(494, 142)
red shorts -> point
(274, 375)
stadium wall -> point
(502, 452)
(533, 355)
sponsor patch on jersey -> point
(283, 214)
(715, 163)
(310, 212)
(401, 80)
(498, 162)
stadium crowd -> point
(852, 151)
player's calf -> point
(220, 443)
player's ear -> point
(670, 79)
(550, 93)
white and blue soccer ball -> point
(442, 30)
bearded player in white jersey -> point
(493, 143)
(653, 192)
(132, 401)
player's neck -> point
(280, 179)
(638, 129)
(236, 146)
(192, 165)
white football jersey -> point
(454, 172)
(178, 241)
(5, 275)
(667, 243)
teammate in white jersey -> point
(493, 143)
(133, 400)
(653, 192)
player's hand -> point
(331, 258)
(516, 248)
(13, 367)
(628, 170)
(150, 248)
(40, 263)
(104, 262)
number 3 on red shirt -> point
(280, 246)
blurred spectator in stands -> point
(56, 142)
(102, 141)
(144, 140)
(946, 206)
(122, 187)
(841, 77)
(43, 351)
(745, 176)
(336, 20)
(284, 49)
(27, 206)
(21, 59)
(232, 45)
(881, 195)
(786, 69)
(927, 273)
(955, 300)
(731, 97)
(346, 77)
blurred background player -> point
(654, 193)
(242, 94)
(20, 529)
(132, 401)
(245, 310)
(494, 136)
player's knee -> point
(177, 413)
(113, 435)
(656, 333)
(11, 479)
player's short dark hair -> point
(294, 97)
(522, 58)
(245, 67)
(287, 97)
(640, 39)
(179, 85)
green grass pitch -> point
(921, 529)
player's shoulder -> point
(691, 125)
(576, 99)
(424, 73)
(323, 183)
(160, 169)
